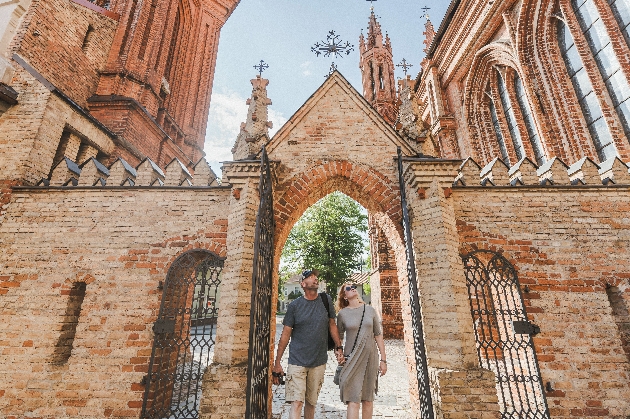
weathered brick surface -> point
(567, 245)
(120, 244)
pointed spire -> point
(377, 68)
(254, 131)
(429, 34)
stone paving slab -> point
(392, 400)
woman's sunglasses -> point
(351, 287)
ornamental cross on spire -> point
(425, 10)
(261, 67)
(371, 4)
(405, 66)
(332, 46)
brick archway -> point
(377, 193)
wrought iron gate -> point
(260, 317)
(422, 372)
(184, 337)
(503, 334)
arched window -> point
(510, 117)
(621, 10)
(497, 128)
(587, 99)
(598, 40)
(528, 118)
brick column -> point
(461, 388)
(225, 381)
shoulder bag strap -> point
(325, 301)
(358, 331)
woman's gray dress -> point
(359, 377)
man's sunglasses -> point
(351, 287)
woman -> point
(358, 381)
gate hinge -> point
(164, 326)
(525, 328)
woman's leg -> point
(353, 410)
(367, 409)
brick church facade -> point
(514, 140)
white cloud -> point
(306, 68)
(227, 111)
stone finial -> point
(121, 173)
(93, 173)
(65, 173)
(524, 171)
(497, 172)
(616, 170)
(176, 173)
(204, 175)
(407, 123)
(429, 34)
(149, 174)
(469, 172)
(254, 131)
(586, 170)
(555, 170)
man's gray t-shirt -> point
(309, 338)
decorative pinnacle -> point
(333, 68)
(425, 10)
(371, 4)
(261, 67)
(332, 46)
(405, 66)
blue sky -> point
(282, 32)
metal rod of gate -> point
(422, 372)
(260, 315)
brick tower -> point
(377, 69)
(156, 85)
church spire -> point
(377, 69)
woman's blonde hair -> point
(341, 296)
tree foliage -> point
(329, 237)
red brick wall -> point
(566, 246)
(52, 37)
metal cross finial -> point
(371, 4)
(425, 10)
(332, 46)
(404, 65)
(261, 67)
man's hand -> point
(278, 372)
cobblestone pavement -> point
(393, 395)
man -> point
(306, 324)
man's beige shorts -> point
(304, 383)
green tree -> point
(329, 237)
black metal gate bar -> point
(260, 317)
(422, 371)
(503, 334)
(184, 337)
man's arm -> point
(282, 345)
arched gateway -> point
(337, 142)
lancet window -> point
(510, 117)
(621, 10)
(589, 103)
(528, 118)
(497, 128)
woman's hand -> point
(382, 368)
(340, 358)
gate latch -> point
(525, 328)
(164, 326)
